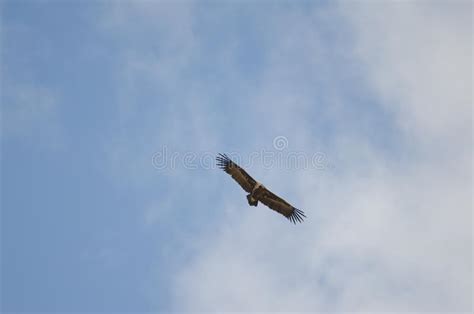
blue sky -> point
(91, 91)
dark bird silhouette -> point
(257, 191)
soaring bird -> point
(257, 191)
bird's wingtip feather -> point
(296, 216)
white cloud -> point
(419, 57)
(382, 234)
(379, 241)
(155, 45)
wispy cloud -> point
(419, 56)
(31, 112)
(384, 232)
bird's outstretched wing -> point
(237, 173)
(281, 206)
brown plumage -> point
(258, 192)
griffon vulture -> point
(258, 192)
